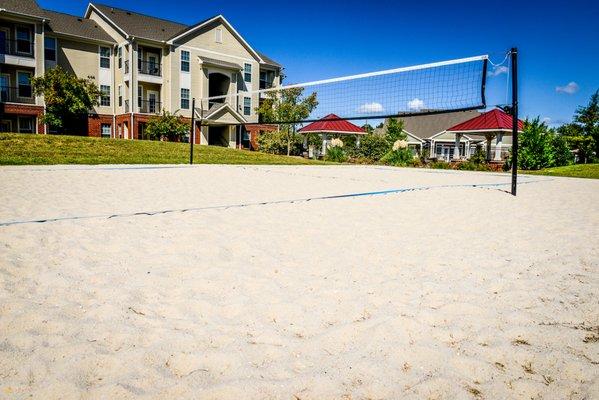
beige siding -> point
(83, 60)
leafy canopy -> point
(66, 96)
(167, 126)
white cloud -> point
(370, 108)
(570, 88)
(416, 104)
(547, 120)
(502, 69)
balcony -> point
(17, 52)
(149, 106)
(21, 95)
(20, 48)
(149, 68)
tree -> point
(66, 96)
(395, 131)
(588, 119)
(286, 106)
(541, 147)
(167, 126)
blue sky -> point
(558, 40)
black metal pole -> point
(192, 134)
(514, 120)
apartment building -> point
(141, 64)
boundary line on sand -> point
(263, 203)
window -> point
(185, 99)
(104, 57)
(120, 57)
(50, 49)
(24, 43)
(120, 95)
(247, 72)
(247, 105)
(105, 95)
(140, 95)
(105, 130)
(266, 79)
(218, 35)
(25, 125)
(24, 84)
(184, 61)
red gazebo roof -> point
(332, 124)
(494, 120)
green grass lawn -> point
(22, 149)
(574, 171)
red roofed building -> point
(333, 125)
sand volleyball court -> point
(263, 282)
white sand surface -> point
(450, 292)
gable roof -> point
(24, 7)
(269, 61)
(332, 124)
(425, 126)
(494, 120)
(138, 25)
(72, 25)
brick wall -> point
(94, 124)
(254, 131)
(25, 110)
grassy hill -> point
(22, 149)
(574, 171)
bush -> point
(167, 126)
(440, 165)
(276, 143)
(372, 147)
(399, 157)
(473, 166)
(336, 154)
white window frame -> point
(188, 61)
(17, 39)
(249, 106)
(218, 35)
(102, 130)
(185, 99)
(103, 96)
(120, 94)
(55, 48)
(120, 57)
(18, 84)
(104, 57)
(247, 72)
(31, 119)
(140, 95)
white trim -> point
(321, 132)
(413, 136)
(226, 106)
(442, 132)
(226, 23)
(474, 131)
(213, 52)
(31, 75)
(87, 11)
(367, 75)
(29, 117)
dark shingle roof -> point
(28, 7)
(141, 25)
(75, 26)
(268, 60)
(425, 126)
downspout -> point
(131, 85)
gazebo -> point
(491, 124)
(331, 125)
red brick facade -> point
(16, 110)
(255, 130)
(94, 124)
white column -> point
(456, 149)
(324, 145)
(489, 138)
(498, 144)
(358, 141)
(305, 141)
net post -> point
(192, 134)
(514, 59)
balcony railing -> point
(149, 106)
(21, 94)
(149, 68)
(21, 48)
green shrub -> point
(372, 147)
(440, 165)
(276, 143)
(399, 157)
(336, 154)
(473, 166)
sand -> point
(446, 292)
